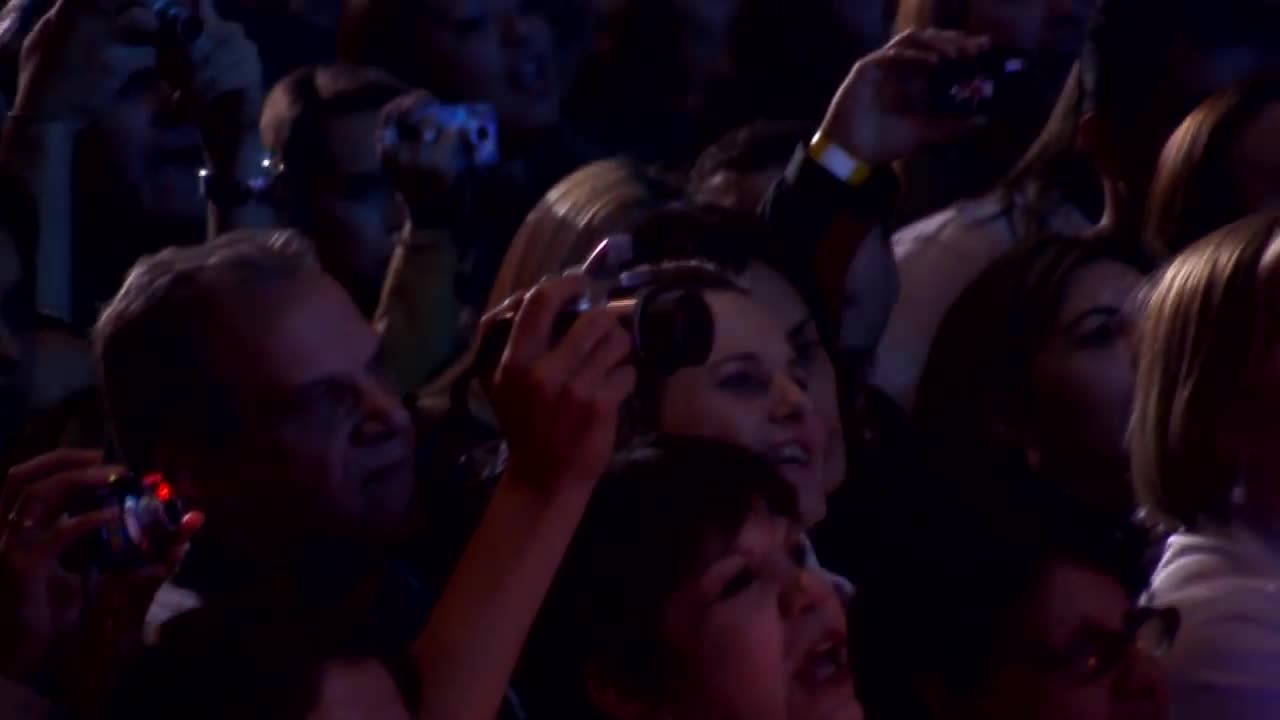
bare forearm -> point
(471, 645)
(39, 154)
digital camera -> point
(980, 85)
(660, 306)
(478, 123)
(145, 530)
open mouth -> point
(791, 454)
(826, 663)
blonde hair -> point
(604, 197)
(1192, 193)
(1197, 346)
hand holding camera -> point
(225, 71)
(51, 617)
(426, 146)
(79, 56)
(888, 107)
(558, 401)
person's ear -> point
(617, 702)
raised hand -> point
(881, 112)
(558, 402)
(56, 633)
(79, 56)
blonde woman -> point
(1206, 454)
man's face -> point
(323, 446)
(492, 51)
(145, 156)
(352, 210)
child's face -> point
(357, 689)
(758, 631)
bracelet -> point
(837, 161)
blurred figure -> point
(690, 591)
(1218, 166)
(653, 89)
(267, 658)
(322, 124)
(247, 377)
(1147, 65)
(99, 140)
(1033, 368)
(497, 52)
(1041, 620)
(1051, 32)
(1203, 446)
(739, 170)
(937, 257)
(787, 60)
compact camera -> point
(178, 22)
(478, 123)
(660, 306)
(145, 530)
(980, 85)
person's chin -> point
(833, 699)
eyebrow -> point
(799, 328)
(736, 357)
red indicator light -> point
(164, 493)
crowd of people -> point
(640, 359)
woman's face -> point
(753, 392)
(1083, 378)
(1053, 667)
(1256, 161)
(758, 632)
(771, 290)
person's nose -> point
(809, 590)
(790, 401)
(382, 415)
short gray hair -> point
(151, 343)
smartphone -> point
(982, 85)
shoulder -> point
(979, 223)
(1227, 589)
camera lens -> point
(674, 329)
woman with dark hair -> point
(690, 591)
(1033, 368)
(1221, 164)
(1012, 605)
(940, 255)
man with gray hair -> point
(247, 376)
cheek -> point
(735, 664)
(691, 406)
(1088, 393)
(1092, 702)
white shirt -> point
(1225, 662)
(938, 257)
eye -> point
(1100, 335)
(739, 583)
(744, 381)
(329, 394)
